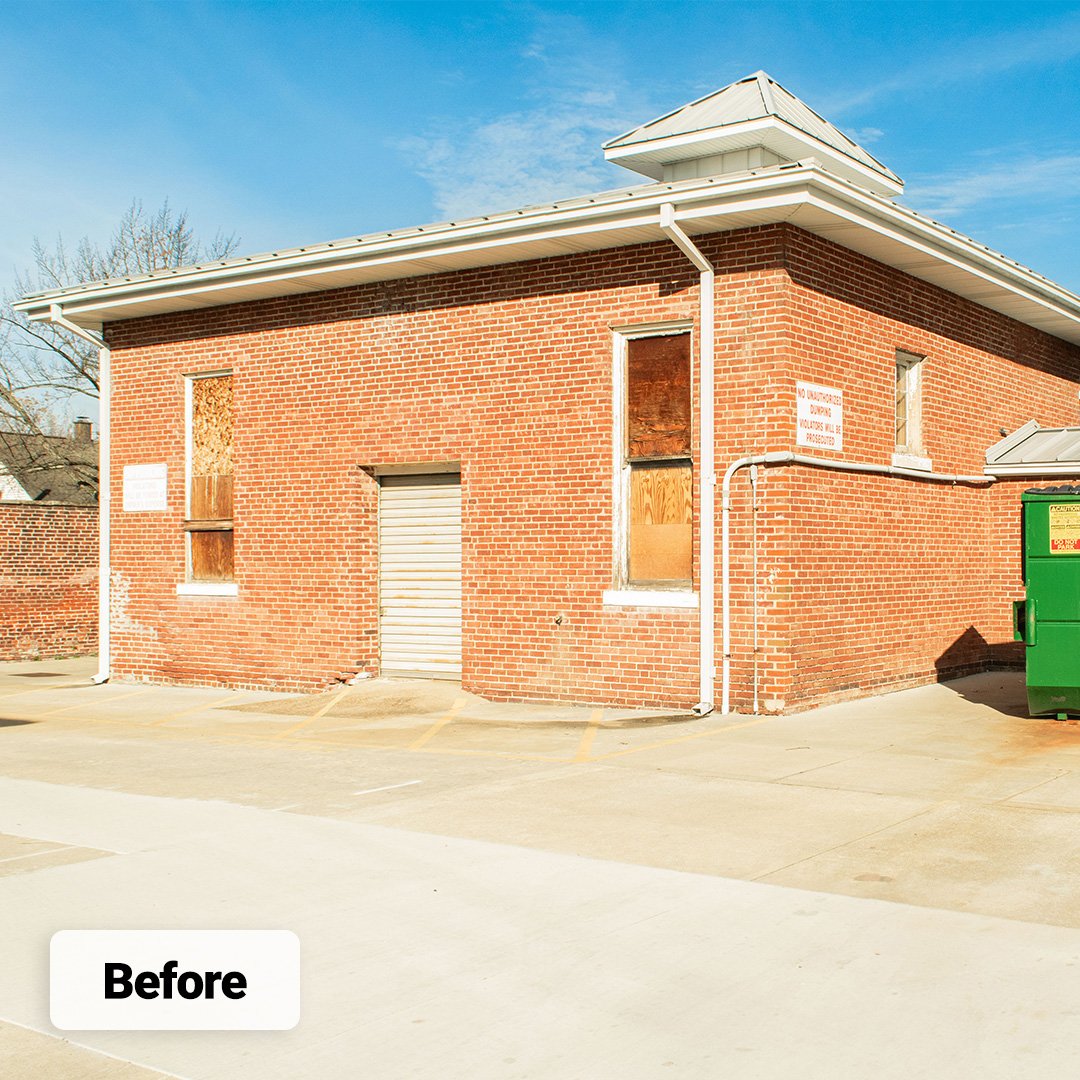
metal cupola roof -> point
(714, 134)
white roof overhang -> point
(802, 193)
(650, 155)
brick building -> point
(48, 544)
(499, 448)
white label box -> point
(174, 980)
(146, 487)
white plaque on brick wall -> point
(819, 416)
(146, 487)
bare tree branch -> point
(43, 368)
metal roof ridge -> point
(765, 89)
(678, 109)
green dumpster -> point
(1047, 620)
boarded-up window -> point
(658, 397)
(658, 454)
(210, 496)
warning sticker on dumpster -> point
(1064, 527)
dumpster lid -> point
(1060, 489)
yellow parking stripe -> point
(194, 709)
(439, 724)
(585, 746)
(315, 715)
(91, 704)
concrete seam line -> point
(688, 738)
(855, 839)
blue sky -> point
(292, 123)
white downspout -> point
(56, 315)
(707, 590)
(787, 457)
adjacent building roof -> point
(755, 111)
(48, 468)
(1032, 450)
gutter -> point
(57, 317)
(707, 600)
(783, 458)
(800, 192)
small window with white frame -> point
(909, 435)
(653, 461)
(208, 523)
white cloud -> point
(865, 134)
(515, 159)
(1026, 180)
(539, 152)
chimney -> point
(84, 430)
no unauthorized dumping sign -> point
(819, 416)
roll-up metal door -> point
(420, 576)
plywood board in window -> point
(658, 396)
(211, 497)
(661, 523)
(212, 426)
(211, 556)
(661, 495)
(660, 554)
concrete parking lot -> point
(884, 887)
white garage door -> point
(420, 576)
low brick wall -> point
(48, 580)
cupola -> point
(750, 124)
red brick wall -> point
(48, 580)
(877, 582)
(507, 370)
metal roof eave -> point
(596, 223)
(1032, 450)
(803, 193)
(1033, 469)
(993, 280)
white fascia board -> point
(775, 194)
(686, 140)
(637, 211)
(944, 246)
(1034, 469)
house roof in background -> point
(51, 468)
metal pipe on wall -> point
(56, 315)
(707, 380)
(782, 458)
